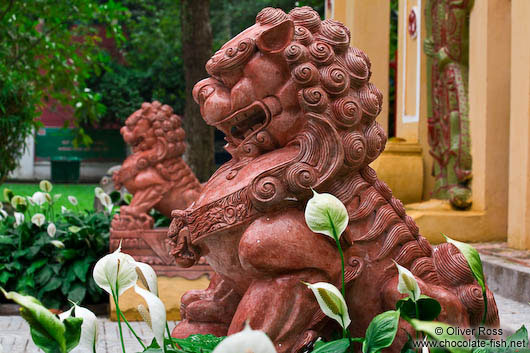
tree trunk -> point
(196, 50)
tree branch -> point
(9, 6)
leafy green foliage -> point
(17, 111)
(428, 308)
(47, 331)
(47, 50)
(381, 331)
(433, 329)
(31, 264)
(338, 346)
(192, 344)
(518, 342)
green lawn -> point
(83, 192)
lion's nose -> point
(214, 100)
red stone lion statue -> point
(297, 108)
(155, 173)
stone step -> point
(512, 314)
(508, 279)
(510, 282)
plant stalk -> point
(169, 336)
(130, 328)
(345, 332)
(118, 314)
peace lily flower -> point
(248, 340)
(30, 200)
(45, 185)
(8, 194)
(39, 198)
(64, 210)
(156, 317)
(19, 218)
(98, 191)
(407, 283)
(19, 203)
(89, 328)
(326, 214)
(38, 219)
(73, 200)
(58, 244)
(3, 214)
(115, 273)
(331, 302)
(106, 201)
(52, 229)
(147, 276)
(56, 197)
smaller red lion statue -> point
(155, 173)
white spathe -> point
(115, 273)
(331, 302)
(325, 213)
(407, 283)
(38, 219)
(52, 229)
(157, 314)
(149, 275)
(246, 341)
(19, 218)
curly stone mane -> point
(341, 138)
(167, 127)
(167, 137)
(341, 135)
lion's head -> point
(155, 127)
(292, 79)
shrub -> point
(50, 255)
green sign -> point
(53, 143)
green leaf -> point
(381, 331)
(74, 229)
(198, 343)
(52, 284)
(473, 259)
(77, 293)
(44, 275)
(46, 329)
(81, 269)
(72, 333)
(338, 346)
(7, 240)
(428, 308)
(433, 329)
(36, 265)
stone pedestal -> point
(151, 246)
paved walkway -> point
(15, 336)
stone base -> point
(401, 167)
(170, 290)
(435, 217)
(151, 246)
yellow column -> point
(519, 188)
(411, 97)
(489, 115)
(369, 23)
(489, 106)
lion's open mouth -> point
(245, 122)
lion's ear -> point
(276, 38)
